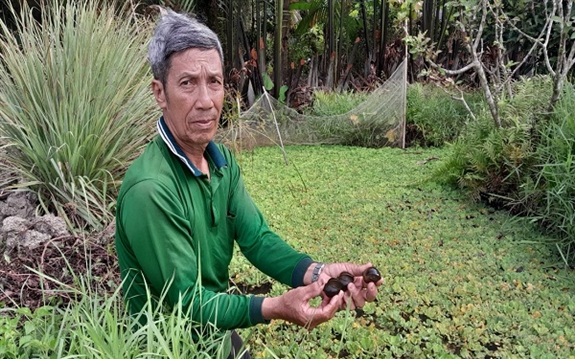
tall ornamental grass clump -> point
(554, 185)
(75, 104)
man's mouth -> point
(203, 123)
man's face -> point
(192, 97)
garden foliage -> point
(434, 117)
(486, 161)
(329, 103)
(98, 325)
(75, 104)
(459, 279)
(364, 131)
(492, 163)
(526, 165)
(553, 184)
(377, 120)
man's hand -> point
(294, 306)
(359, 292)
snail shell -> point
(371, 274)
(345, 278)
(332, 287)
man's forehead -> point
(198, 59)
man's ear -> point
(159, 93)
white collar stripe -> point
(174, 147)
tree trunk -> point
(384, 24)
(229, 49)
(427, 17)
(443, 23)
(330, 80)
(278, 48)
(565, 61)
(367, 50)
(345, 78)
(286, 25)
(260, 42)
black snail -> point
(371, 274)
(334, 285)
(345, 278)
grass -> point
(97, 325)
(73, 112)
(333, 103)
(461, 280)
(555, 182)
(434, 117)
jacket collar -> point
(211, 149)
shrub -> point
(529, 101)
(526, 166)
(554, 185)
(75, 104)
(487, 162)
(434, 117)
(493, 163)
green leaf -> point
(301, 5)
(268, 83)
(282, 95)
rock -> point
(18, 204)
(33, 239)
(3, 209)
(108, 234)
(13, 231)
(22, 234)
(51, 225)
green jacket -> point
(176, 229)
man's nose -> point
(204, 100)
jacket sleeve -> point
(159, 235)
(261, 246)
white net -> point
(378, 121)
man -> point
(183, 203)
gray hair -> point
(177, 32)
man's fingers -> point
(313, 290)
(326, 311)
(357, 295)
(370, 292)
(348, 303)
(334, 303)
(357, 270)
